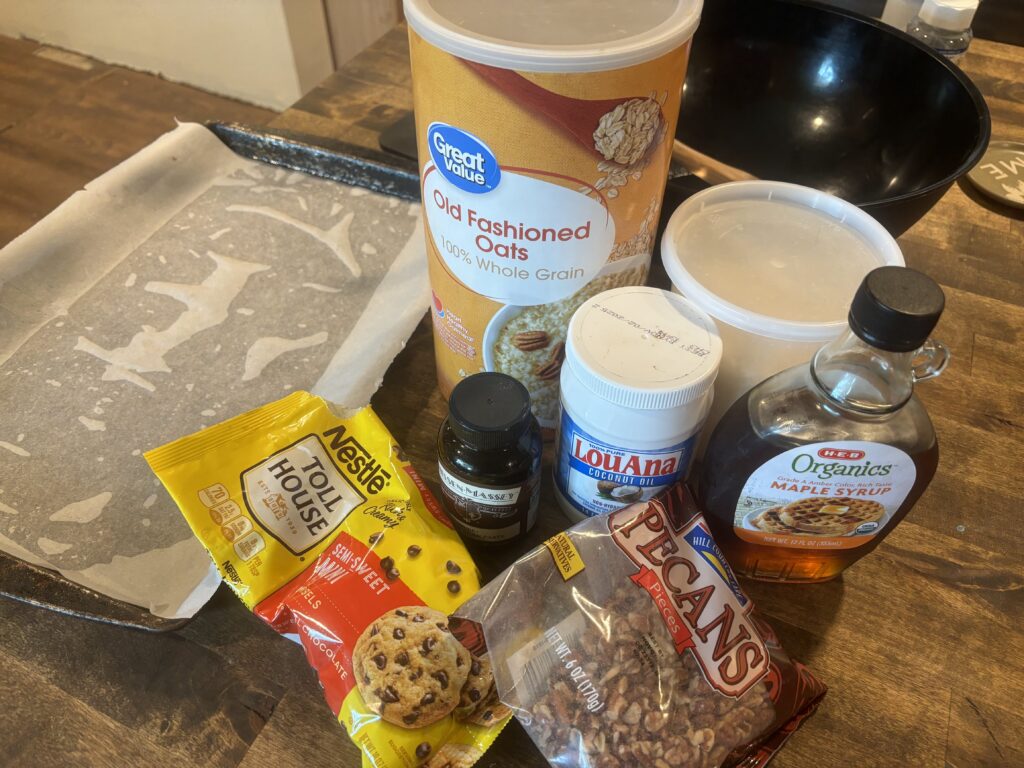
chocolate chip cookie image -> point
(489, 712)
(409, 668)
(478, 684)
(479, 703)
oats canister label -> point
(557, 242)
(540, 190)
(835, 495)
(463, 159)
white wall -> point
(354, 24)
(267, 52)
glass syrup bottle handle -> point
(929, 361)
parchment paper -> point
(183, 287)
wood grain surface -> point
(921, 644)
(62, 126)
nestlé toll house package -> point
(627, 642)
(327, 533)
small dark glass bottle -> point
(489, 455)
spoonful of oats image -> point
(623, 131)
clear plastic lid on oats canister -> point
(544, 133)
(545, 36)
(636, 388)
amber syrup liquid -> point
(736, 453)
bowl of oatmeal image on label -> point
(528, 343)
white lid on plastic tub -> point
(643, 348)
(555, 35)
(953, 15)
(775, 259)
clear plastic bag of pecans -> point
(628, 642)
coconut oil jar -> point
(636, 387)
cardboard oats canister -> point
(544, 132)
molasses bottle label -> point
(834, 495)
(488, 512)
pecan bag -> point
(627, 641)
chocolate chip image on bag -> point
(627, 642)
(325, 531)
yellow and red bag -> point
(326, 532)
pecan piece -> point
(633, 714)
(531, 340)
(551, 367)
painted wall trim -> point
(267, 52)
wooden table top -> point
(921, 644)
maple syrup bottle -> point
(813, 467)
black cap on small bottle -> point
(896, 308)
(489, 410)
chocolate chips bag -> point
(324, 530)
(627, 641)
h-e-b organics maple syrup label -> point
(834, 495)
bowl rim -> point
(981, 106)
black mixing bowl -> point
(795, 91)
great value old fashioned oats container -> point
(544, 132)
(636, 388)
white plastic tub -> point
(776, 266)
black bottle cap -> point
(489, 410)
(896, 308)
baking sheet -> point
(183, 287)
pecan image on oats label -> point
(531, 340)
(533, 365)
(551, 367)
